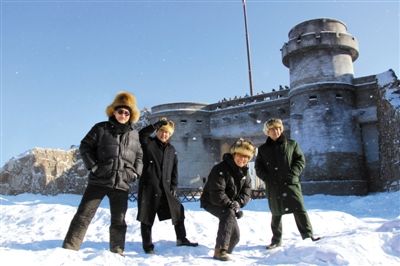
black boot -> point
(117, 239)
(180, 232)
(147, 242)
(186, 242)
(273, 245)
(315, 238)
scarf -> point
(118, 128)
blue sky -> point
(62, 62)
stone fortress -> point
(348, 127)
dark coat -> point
(279, 164)
(160, 176)
(226, 183)
(115, 154)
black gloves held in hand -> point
(173, 192)
(239, 214)
(235, 206)
(134, 178)
(159, 124)
(94, 168)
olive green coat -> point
(279, 164)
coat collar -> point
(162, 144)
(236, 170)
(280, 140)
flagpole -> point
(248, 47)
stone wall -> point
(389, 130)
(44, 171)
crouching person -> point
(227, 191)
(112, 152)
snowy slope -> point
(355, 230)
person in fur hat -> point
(111, 151)
(158, 184)
(279, 164)
(227, 190)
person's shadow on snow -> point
(162, 247)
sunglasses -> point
(123, 112)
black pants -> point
(303, 225)
(146, 229)
(147, 241)
(87, 208)
(228, 234)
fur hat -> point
(273, 122)
(169, 127)
(127, 100)
(244, 147)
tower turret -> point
(320, 50)
(320, 55)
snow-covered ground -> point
(355, 230)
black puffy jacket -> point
(226, 183)
(114, 158)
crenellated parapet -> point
(319, 34)
(320, 50)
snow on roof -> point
(387, 81)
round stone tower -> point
(320, 55)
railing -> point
(193, 194)
(270, 96)
(392, 186)
(258, 194)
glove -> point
(160, 123)
(134, 178)
(94, 168)
(235, 206)
(173, 192)
(239, 214)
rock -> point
(44, 171)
